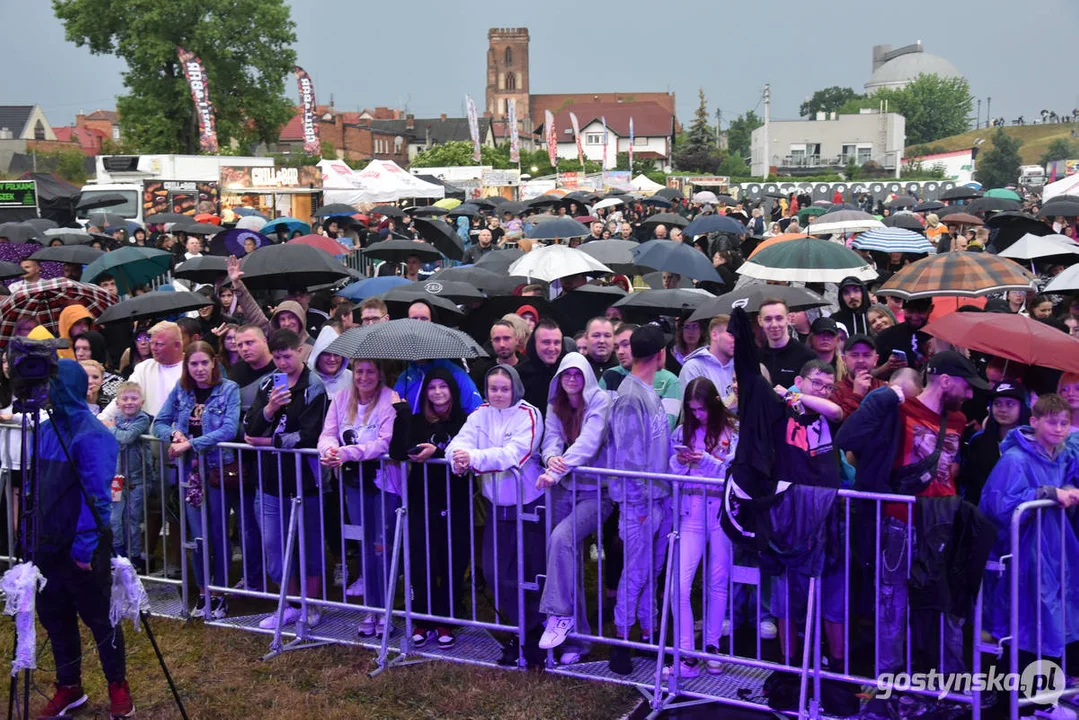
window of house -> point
(593, 139)
(509, 56)
(397, 143)
(511, 81)
(798, 154)
(115, 132)
(39, 131)
(637, 141)
(865, 154)
(850, 152)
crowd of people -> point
(854, 395)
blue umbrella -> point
(562, 227)
(231, 242)
(676, 257)
(290, 224)
(246, 211)
(360, 291)
(893, 239)
(714, 223)
(131, 266)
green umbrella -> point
(811, 210)
(1003, 193)
(807, 260)
(131, 266)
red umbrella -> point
(322, 243)
(1012, 337)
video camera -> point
(31, 365)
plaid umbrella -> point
(965, 274)
(46, 299)
(807, 260)
(405, 340)
(893, 239)
(131, 266)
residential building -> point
(829, 143)
(654, 129)
(425, 133)
(24, 122)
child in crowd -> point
(129, 487)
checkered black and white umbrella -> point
(46, 299)
(405, 340)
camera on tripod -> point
(31, 365)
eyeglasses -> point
(820, 385)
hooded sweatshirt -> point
(296, 309)
(68, 317)
(339, 380)
(855, 321)
(593, 433)
(702, 363)
(67, 522)
(500, 440)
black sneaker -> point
(510, 653)
(446, 638)
(219, 607)
(200, 608)
(621, 660)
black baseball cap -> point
(1011, 389)
(859, 339)
(824, 325)
(647, 341)
(952, 363)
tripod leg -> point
(164, 668)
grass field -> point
(221, 676)
(1036, 139)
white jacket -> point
(593, 434)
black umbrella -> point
(486, 281)
(387, 211)
(442, 235)
(903, 201)
(1065, 206)
(930, 206)
(487, 203)
(1009, 218)
(69, 236)
(952, 210)
(104, 220)
(960, 193)
(993, 204)
(466, 209)
(427, 211)
(669, 219)
(615, 254)
(657, 201)
(100, 200)
(334, 209)
(401, 250)
(153, 304)
(478, 322)
(676, 257)
(202, 269)
(287, 266)
(514, 208)
(79, 254)
(669, 194)
(646, 305)
(401, 297)
(574, 309)
(544, 201)
(42, 224)
(10, 270)
(559, 227)
(454, 290)
(750, 297)
(166, 217)
(405, 340)
(499, 261)
(906, 221)
(194, 228)
(18, 233)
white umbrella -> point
(1032, 246)
(1067, 281)
(606, 203)
(705, 196)
(556, 261)
(843, 227)
(251, 222)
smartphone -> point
(900, 355)
(681, 449)
(280, 381)
(414, 450)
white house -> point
(653, 131)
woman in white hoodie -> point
(500, 442)
(578, 412)
(704, 445)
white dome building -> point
(897, 68)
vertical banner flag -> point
(473, 128)
(577, 138)
(200, 94)
(311, 144)
(552, 138)
(604, 121)
(515, 140)
(631, 146)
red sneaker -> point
(67, 697)
(120, 703)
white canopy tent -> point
(642, 183)
(381, 181)
(1065, 186)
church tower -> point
(507, 74)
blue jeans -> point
(126, 519)
(213, 501)
(273, 517)
(643, 529)
(241, 501)
(376, 514)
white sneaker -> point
(313, 618)
(558, 627)
(367, 625)
(290, 616)
(768, 630)
(338, 575)
(571, 657)
(355, 589)
(690, 668)
(594, 553)
(726, 628)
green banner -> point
(18, 193)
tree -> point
(827, 100)
(459, 152)
(1059, 149)
(734, 166)
(934, 107)
(740, 132)
(244, 45)
(999, 165)
(697, 150)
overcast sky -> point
(427, 55)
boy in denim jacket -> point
(133, 465)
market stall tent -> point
(642, 183)
(1065, 186)
(380, 182)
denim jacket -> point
(135, 462)
(220, 419)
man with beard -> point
(853, 306)
(503, 351)
(859, 357)
(907, 338)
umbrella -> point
(676, 257)
(1061, 205)
(1032, 246)
(427, 210)
(45, 300)
(965, 274)
(903, 201)
(288, 224)
(454, 290)
(166, 217)
(654, 280)
(103, 220)
(807, 260)
(575, 308)
(777, 239)
(10, 270)
(202, 269)
(500, 261)
(442, 235)
(669, 194)
(195, 228)
(323, 243)
(1009, 336)
(448, 203)
(17, 232)
(360, 291)
(893, 240)
(928, 207)
(705, 196)
(387, 211)
(669, 219)
(558, 227)
(814, 210)
(714, 224)
(647, 304)
(42, 224)
(71, 236)
(486, 281)
(491, 202)
(962, 219)
(334, 209)
(231, 242)
(97, 201)
(398, 300)
(615, 254)
(1003, 193)
(951, 210)
(993, 204)
(514, 208)
(750, 297)
(153, 304)
(405, 340)
(1010, 218)
(249, 212)
(843, 221)
(543, 200)
(400, 250)
(657, 201)
(466, 209)
(251, 222)
(80, 254)
(556, 261)
(286, 266)
(960, 193)
(131, 266)
(905, 221)
(608, 202)
(1067, 281)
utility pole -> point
(978, 122)
(719, 116)
(988, 110)
(767, 120)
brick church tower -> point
(507, 74)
